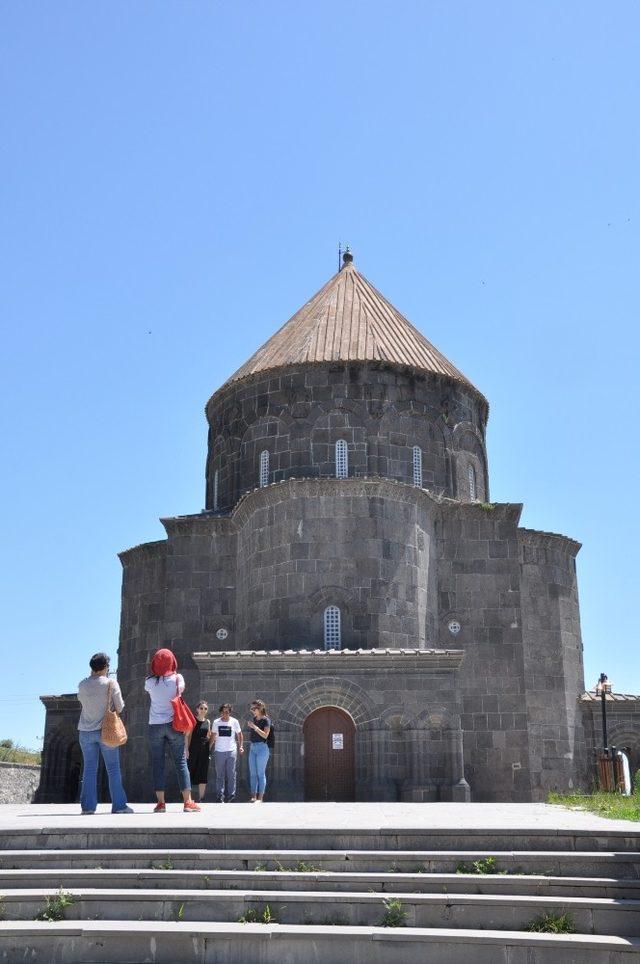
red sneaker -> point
(160, 808)
(191, 807)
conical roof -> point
(348, 320)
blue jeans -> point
(258, 759)
(161, 736)
(92, 746)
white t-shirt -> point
(225, 734)
(162, 691)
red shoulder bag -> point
(183, 719)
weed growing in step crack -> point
(254, 915)
(54, 907)
(488, 865)
(552, 924)
(394, 913)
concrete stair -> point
(167, 894)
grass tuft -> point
(487, 865)
(54, 907)
(11, 752)
(552, 924)
(394, 913)
(254, 915)
(612, 805)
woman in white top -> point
(163, 685)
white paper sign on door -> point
(337, 741)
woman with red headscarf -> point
(163, 685)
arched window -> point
(472, 483)
(215, 490)
(264, 468)
(332, 628)
(342, 459)
(417, 465)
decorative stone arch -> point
(318, 603)
(623, 734)
(436, 717)
(438, 753)
(344, 422)
(219, 462)
(314, 694)
(327, 691)
(391, 445)
(396, 718)
(266, 433)
(331, 596)
(470, 450)
(61, 769)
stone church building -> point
(412, 640)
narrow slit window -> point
(417, 465)
(264, 468)
(472, 483)
(342, 459)
(215, 490)
(332, 628)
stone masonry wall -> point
(402, 566)
(554, 678)
(363, 547)
(405, 707)
(18, 782)
(297, 415)
(479, 588)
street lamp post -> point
(607, 763)
(603, 688)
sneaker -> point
(87, 813)
(191, 807)
(160, 808)
(124, 810)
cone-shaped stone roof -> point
(348, 320)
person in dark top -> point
(199, 749)
(259, 730)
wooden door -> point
(329, 755)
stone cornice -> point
(550, 540)
(146, 550)
(364, 487)
(202, 523)
(66, 701)
(620, 699)
(228, 389)
(209, 523)
(431, 660)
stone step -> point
(615, 865)
(105, 942)
(125, 834)
(342, 881)
(492, 912)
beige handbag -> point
(113, 729)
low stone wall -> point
(18, 782)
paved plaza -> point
(343, 816)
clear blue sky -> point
(174, 180)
